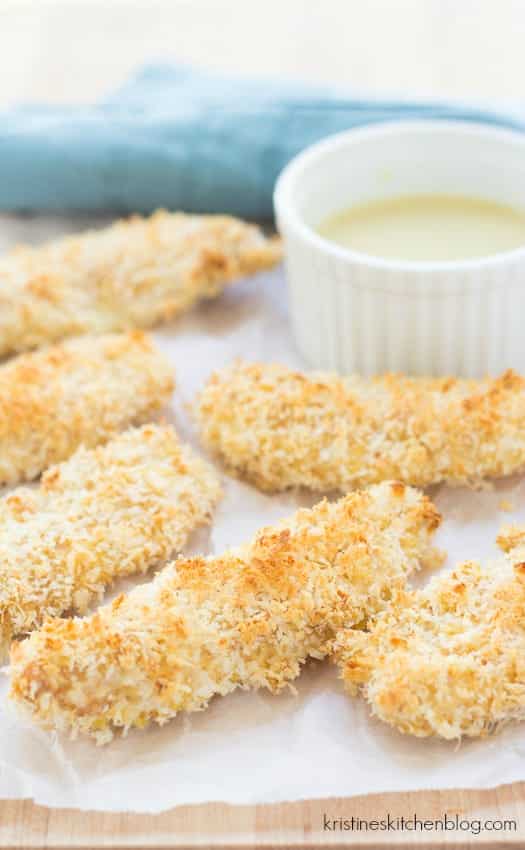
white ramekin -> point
(355, 313)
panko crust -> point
(79, 393)
(448, 660)
(137, 273)
(108, 512)
(246, 619)
(281, 428)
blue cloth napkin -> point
(181, 139)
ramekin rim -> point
(285, 211)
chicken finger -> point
(448, 660)
(206, 626)
(81, 392)
(107, 512)
(279, 428)
(136, 273)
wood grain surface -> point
(77, 51)
(23, 824)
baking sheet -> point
(309, 742)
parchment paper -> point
(255, 747)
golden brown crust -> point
(79, 393)
(448, 660)
(280, 428)
(107, 512)
(206, 626)
(137, 273)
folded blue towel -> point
(181, 139)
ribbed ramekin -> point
(355, 313)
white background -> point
(73, 51)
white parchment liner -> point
(255, 747)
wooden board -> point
(24, 825)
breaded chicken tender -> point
(247, 619)
(107, 512)
(137, 273)
(279, 428)
(448, 660)
(79, 393)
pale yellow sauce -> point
(427, 228)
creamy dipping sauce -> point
(431, 228)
